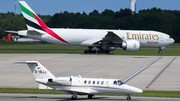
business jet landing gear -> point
(90, 50)
(90, 96)
(74, 97)
(128, 97)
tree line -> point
(167, 21)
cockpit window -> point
(120, 82)
(115, 83)
(170, 37)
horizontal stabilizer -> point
(12, 32)
(34, 32)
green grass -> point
(52, 91)
(28, 48)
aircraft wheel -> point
(128, 98)
(106, 51)
(94, 51)
(99, 51)
(160, 52)
(90, 96)
(85, 51)
(74, 97)
(90, 51)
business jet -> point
(105, 40)
(83, 86)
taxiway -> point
(162, 75)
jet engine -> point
(62, 80)
(131, 45)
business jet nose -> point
(137, 91)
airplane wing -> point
(111, 39)
(139, 71)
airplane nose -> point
(173, 40)
(135, 90)
(138, 91)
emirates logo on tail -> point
(34, 22)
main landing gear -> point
(90, 96)
(128, 97)
(74, 97)
(100, 51)
(90, 50)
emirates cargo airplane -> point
(105, 40)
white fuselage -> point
(90, 85)
(86, 37)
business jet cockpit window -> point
(118, 82)
(115, 83)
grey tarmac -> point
(162, 75)
(63, 97)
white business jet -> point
(105, 40)
(83, 86)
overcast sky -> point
(50, 7)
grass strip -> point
(146, 93)
(11, 47)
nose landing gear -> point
(160, 50)
(128, 97)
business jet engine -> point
(131, 45)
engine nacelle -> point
(62, 80)
(131, 45)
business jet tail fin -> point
(38, 70)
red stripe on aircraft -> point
(49, 31)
